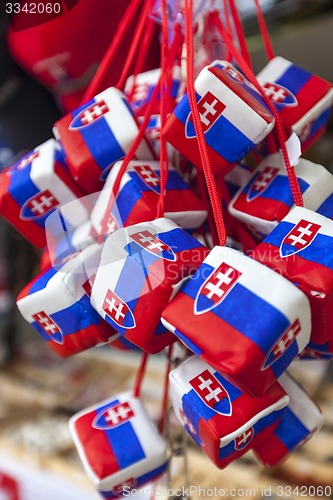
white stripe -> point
(299, 213)
(238, 175)
(44, 177)
(268, 286)
(122, 123)
(81, 237)
(237, 112)
(313, 113)
(301, 404)
(153, 446)
(274, 70)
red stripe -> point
(261, 207)
(67, 179)
(96, 447)
(175, 134)
(224, 348)
(12, 210)
(306, 145)
(309, 276)
(271, 451)
(315, 89)
(82, 165)
(141, 212)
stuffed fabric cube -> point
(303, 100)
(257, 320)
(318, 351)
(141, 269)
(139, 90)
(34, 187)
(301, 249)
(57, 305)
(96, 135)
(119, 445)
(267, 198)
(233, 115)
(224, 421)
(138, 197)
(302, 418)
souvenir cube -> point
(302, 418)
(96, 135)
(57, 305)
(234, 118)
(141, 269)
(266, 198)
(139, 90)
(224, 421)
(119, 445)
(318, 351)
(34, 187)
(257, 320)
(138, 197)
(301, 249)
(303, 100)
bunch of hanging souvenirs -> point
(118, 269)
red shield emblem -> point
(39, 205)
(117, 310)
(89, 115)
(27, 160)
(261, 182)
(113, 416)
(129, 484)
(212, 392)
(234, 74)
(49, 326)
(215, 288)
(279, 94)
(149, 177)
(153, 245)
(210, 109)
(284, 342)
(300, 237)
(244, 439)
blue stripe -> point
(319, 251)
(195, 409)
(174, 182)
(179, 240)
(123, 441)
(126, 200)
(320, 122)
(294, 79)
(232, 390)
(326, 208)
(280, 366)
(278, 189)
(258, 427)
(42, 281)
(291, 432)
(161, 329)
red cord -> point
(165, 399)
(96, 84)
(207, 168)
(140, 374)
(264, 32)
(293, 181)
(139, 32)
(240, 33)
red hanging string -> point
(210, 181)
(293, 181)
(165, 399)
(139, 32)
(164, 89)
(96, 84)
(240, 33)
(264, 32)
(140, 374)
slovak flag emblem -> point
(284, 342)
(279, 95)
(149, 177)
(212, 393)
(244, 439)
(117, 310)
(210, 109)
(215, 288)
(153, 245)
(129, 484)
(113, 415)
(89, 115)
(27, 160)
(49, 326)
(261, 182)
(300, 237)
(39, 205)
(234, 74)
